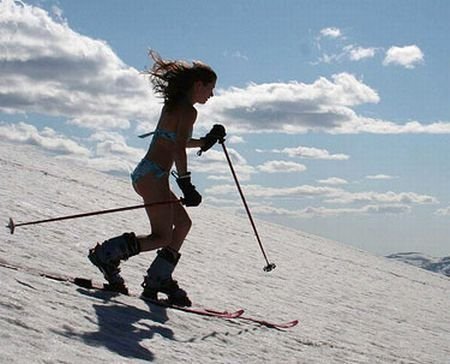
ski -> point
(281, 326)
(90, 284)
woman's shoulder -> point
(184, 110)
(171, 116)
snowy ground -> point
(353, 307)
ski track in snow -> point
(353, 307)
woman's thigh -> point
(161, 217)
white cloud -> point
(328, 58)
(258, 191)
(443, 212)
(289, 107)
(236, 139)
(239, 55)
(387, 209)
(110, 152)
(380, 177)
(281, 167)
(236, 55)
(358, 125)
(408, 56)
(408, 198)
(332, 195)
(358, 53)
(214, 164)
(311, 153)
(46, 138)
(114, 144)
(324, 212)
(48, 68)
(331, 32)
(349, 52)
(336, 51)
(223, 202)
(219, 178)
(58, 13)
(333, 181)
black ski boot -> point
(159, 279)
(107, 257)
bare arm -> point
(195, 143)
(186, 121)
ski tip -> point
(292, 323)
(282, 326)
(11, 226)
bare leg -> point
(170, 224)
(162, 231)
(161, 217)
(182, 225)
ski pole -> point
(269, 266)
(12, 225)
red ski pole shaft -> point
(270, 266)
(13, 225)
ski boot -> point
(159, 279)
(107, 257)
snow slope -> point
(353, 307)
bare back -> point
(179, 120)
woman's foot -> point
(159, 279)
(107, 257)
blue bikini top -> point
(168, 135)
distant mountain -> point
(437, 265)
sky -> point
(337, 116)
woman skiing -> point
(182, 85)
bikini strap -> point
(146, 134)
(170, 135)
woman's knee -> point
(184, 223)
(154, 241)
(165, 238)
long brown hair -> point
(174, 79)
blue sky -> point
(337, 112)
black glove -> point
(191, 196)
(216, 134)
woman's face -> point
(202, 92)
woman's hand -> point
(191, 196)
(216, 134)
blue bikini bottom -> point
(145, 167)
